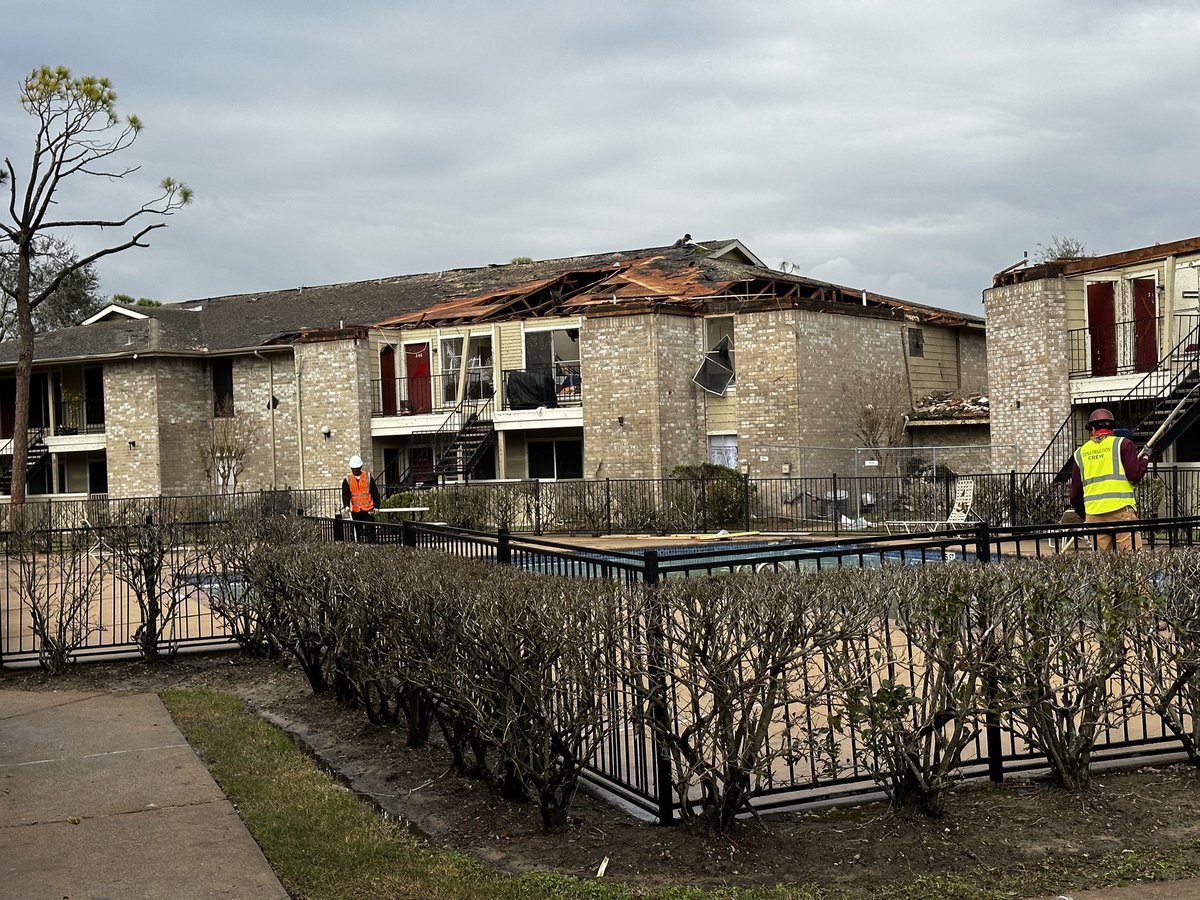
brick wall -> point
(185, 416)
(1027, 369)
(639, 369)
(973, 361)
(131, 415)
(273, 460)
(334, 391)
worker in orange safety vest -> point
(360, 494)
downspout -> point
(299, 413)
(271, 406)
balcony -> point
(551, 386)
(79, 416)
(426, 394)
(1123, 348)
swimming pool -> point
(763, 556)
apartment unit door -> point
(1145, 324)
(416, 369)
(1102, 327)
(387, 381)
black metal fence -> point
(97, 560)
(833, 505)
(630, 763)
(103, 586)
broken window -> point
(916, 342)
(716, 372)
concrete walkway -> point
(101, 797)
(1188, 889)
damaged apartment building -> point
(615, 365)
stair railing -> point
(1159, 382)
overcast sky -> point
(912, 149)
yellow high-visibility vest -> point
(1105, 487)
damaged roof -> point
(687, 279)
(1022, 272)
(945, 408)
(676, 280)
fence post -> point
(537, 507)
(659, 695)
(408, 533)
(995, 746)
(746, 501)
(1012, 498)
(608, 506)
(983, 542)
(339, 533)
(503, 547)
(833, 506)
(703, 504)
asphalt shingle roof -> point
(222, 324)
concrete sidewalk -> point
(1188, 889)
(101, 797)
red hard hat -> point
(1101, 416)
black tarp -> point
(529, 390)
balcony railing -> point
(79, 416)
(549, 386)
(529, 388)
(424, 394)
(1123, 347)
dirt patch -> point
(1020, 823)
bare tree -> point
(873, 410)
(77, 132)
(1063, 247)
(223, 458)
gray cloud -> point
(912, 149)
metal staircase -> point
(37, 457)
(474, 434)
(1173, 384)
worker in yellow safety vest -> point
(1103, 474)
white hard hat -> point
(356, 461)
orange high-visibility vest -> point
(360, 492)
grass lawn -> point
(324, 842)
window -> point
(916, 342)
(555, 459)
(723, 450)
(222, 386)
(716, 372)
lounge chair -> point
(960, 512)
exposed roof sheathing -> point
(1059, 268)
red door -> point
(1145, 324)
(420, 464)
(1102, 327)
(416, 368)
(387, 380)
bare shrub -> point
(523, 669)
(143, 551)
(735, 653)
(1068, 630)
(909, 685)
(55, 582)
(1169, 650)
(235, 577)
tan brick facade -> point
(1028, 365)
(335, 393)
